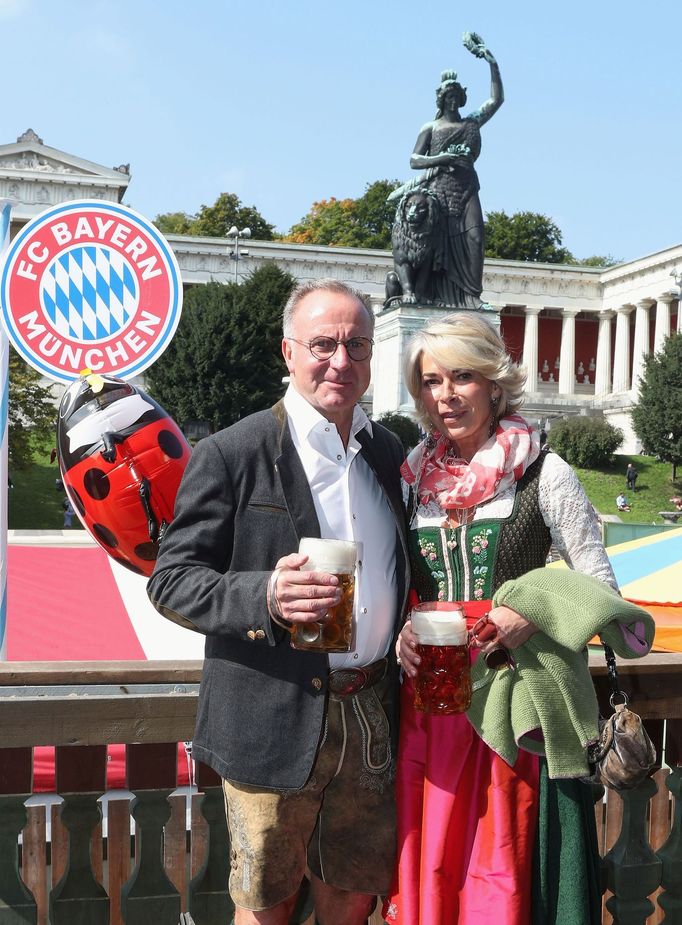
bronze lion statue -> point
(414, 237)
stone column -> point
(602, 377)
(567, 352)
(679, 316)
(530, 347)
(662, 329)
(621, 360)
(640, 348)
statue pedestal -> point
(393, 328)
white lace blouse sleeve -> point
(571, 520)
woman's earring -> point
(494, 404)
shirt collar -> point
(306, 418)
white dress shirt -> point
(350, 505)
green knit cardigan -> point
(547, 703)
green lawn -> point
(654, 488)
(34, 502)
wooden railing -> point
(65, 863)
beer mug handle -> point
(484, 630)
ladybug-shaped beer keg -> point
(121, 459)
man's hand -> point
(304, 597)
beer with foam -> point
(335, 632)
(443, 681)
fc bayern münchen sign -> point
(90, 284)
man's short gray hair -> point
(317, 285)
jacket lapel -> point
(295, 487)
(377, 463)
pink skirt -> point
(466, 826)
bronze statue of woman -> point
(446, 151)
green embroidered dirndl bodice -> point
(470, 562)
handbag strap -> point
(612, 671)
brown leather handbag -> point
(624, 755)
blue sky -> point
(285, 103)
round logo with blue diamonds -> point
(90, 285)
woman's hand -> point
(406, 650)
(512, 629)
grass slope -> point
(654, 488)
(34, 503)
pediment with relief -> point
(31, 156)
(29, 160)
(34, 176)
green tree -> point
(174, 223)
(225, 361)
(375, 215)
(216, 220)
(32, 415)
(403, 427)
(597, 260)
(362, 222)
(524, 236)
(585, 442)
(657, 416)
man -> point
(631, 477)
(301, 739)
(622, 502)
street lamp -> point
(236, 253)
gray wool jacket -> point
(244, 502)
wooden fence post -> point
(670, 900)
(78, 898)
(149, 896)
(633, 870)
(17, 903)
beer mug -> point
(443, 681)
(335, 632)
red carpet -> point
(65, 607)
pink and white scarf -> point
(437, 474)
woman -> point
(446, 151)
(485, 504)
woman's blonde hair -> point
(464, 340)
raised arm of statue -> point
(474, 43)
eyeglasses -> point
(324, 348)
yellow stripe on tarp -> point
(663, 585)
(632, 545)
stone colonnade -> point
(619, 363)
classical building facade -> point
(583, 333)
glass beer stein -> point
(443, 681)
(335, 633)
